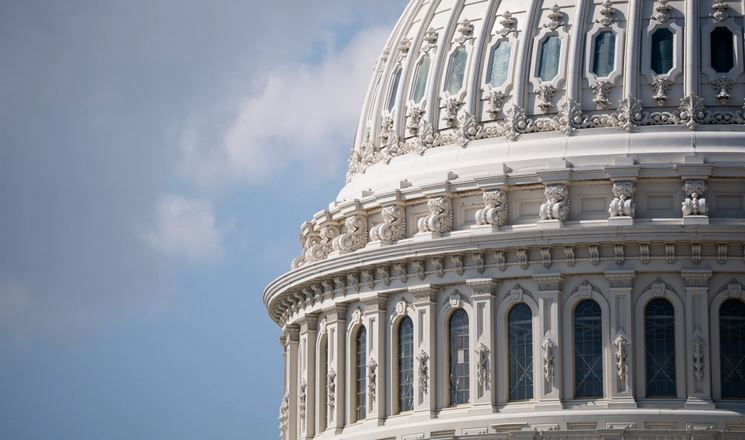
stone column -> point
(621, 327)
(292, 339)
(549, 361)
(425, 355)
(336, 329)
(698, 352)
(309, 336)
(483, 391)
(375, 311)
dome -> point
(541, 235)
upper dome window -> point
(548, 66)
(499, 64)
(603, 61)
(722, 50)
(394, 89)
(420, 79)
(662, 51)
(456, 72)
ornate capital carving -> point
(482, 286)
(549, 281)
(696, 278)
(620, 278)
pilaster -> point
(482, 389)
(698, 353)
(292, 340)
(425, 301)
(335, 382)
(309, 336)
(622, 383)
(375, 311)
(548, 383)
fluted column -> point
(548, 337)
(292, 339)
(698, 352)
(622, 355)
(425, 334)
(308, 337)
(633, 48)
(691, 47)
(483, 300)
(336, 328)
(375, 311)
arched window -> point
(499, 64)
(394, 89)
(722, 50)
(406, 365)
(588, 350)
(459, 378)
(456, 71)
(604, 54)
(521, 352)
(420, 79)
(659, 340)
(548, 63)
(361, 373)
(323, 372)
(662, 51)
(732, 348)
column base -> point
(696, 220)
(549, 404)
(622, 402)
(699, 403)
(620, 221)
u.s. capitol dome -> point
(541, 236)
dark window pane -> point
(659, 331)
(732, 348)
(521, 352)
(662, 51)
(604, 57)
(406, 365)
(588, 353)
(722, 50)
(548, 63)
(459, 380)
(361, 364)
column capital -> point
(310, 323)
(292, 333)
(482, 286)
(375, 303)
(696, 278)
(620, 279)
(336, 313)
(424, 293)
(549, 281)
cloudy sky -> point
(156, 160)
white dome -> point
(541, 235)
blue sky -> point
(156, 161)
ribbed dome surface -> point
(458, 72)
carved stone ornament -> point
(331, 393)
(546, 256)
(516, 293)
(585, 289)
(622, 344)
(495, 99)
(465, 32)
(698, 356)
(719, 11)
(557, 203)
(482, 366)
(661, 87)
(619, 254)
(644, 253)
(508, 23)
(722, 86)
(501, 259)
(691, 112)
(430, 40)
(623, 203)
(594, 254)
(662, 11)
(629, 113)
(386, 127)
(600, 91)
(555, 18)
(522, 255)
(494, 211)
(368, 276)
(404, 46)
(569, 256)
(696, 253)
(353, 280)
(549, 356)
(302, 397)
(284, 409)
(401, 307)
(419, 269)
(353, 235)
(722, 253)
(357, 316)
(455, 299)
(393, 227)
(452, 105)
(458, 263)
(545, 94)
(478, 262)
(414, 114)
(372, 377)
(401, 270)
(607, 11)
(439, 266)
(423, 361)
(440, 217)
(695, 202)
(734, 289)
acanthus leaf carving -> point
(600, 91)
(555, 18)
(695, 202)
(662, 11)
(393, 227)
(331, 392)
(302, 397)
(569, 118)
(482, 366)
(556, 206)
(494, 211)
(353, 235)
(549, 347)
(495, 98)
(284, 410)
(414, 114)
(623, 203)
(607, 11)
(452, 105)
(430, 40)
(622, 344)
(692, 112)
(372, 377)
(719, 11)
(698, 355)
(440, 217)
(423, 359)
(465, 31)
(508, 23)
(722, 86)
(545, 95)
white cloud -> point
(304, 112)
(186, 228)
